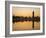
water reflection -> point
(26, 23)
(26, 26)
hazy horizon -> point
(25, 12)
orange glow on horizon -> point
(25, 12)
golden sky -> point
(25, 11)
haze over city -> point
(27, 24)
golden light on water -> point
(25, 12)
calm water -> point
(26, 25)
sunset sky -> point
(25, 11)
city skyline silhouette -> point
(26, 18)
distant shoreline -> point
(22, 19)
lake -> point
(26, 25)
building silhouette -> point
(22, 19)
